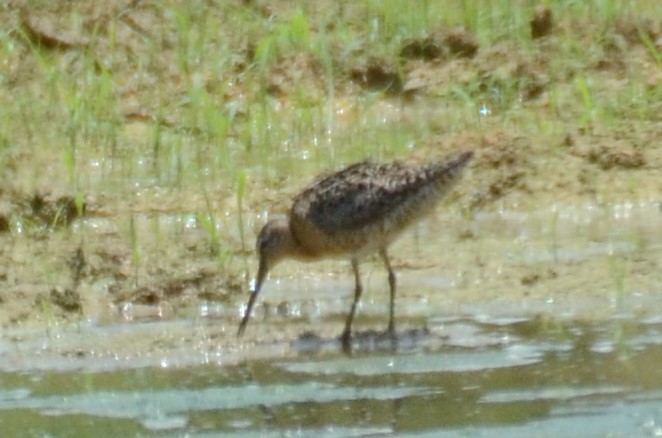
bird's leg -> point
(358, 289)
(391, 283)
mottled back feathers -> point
(368, 195)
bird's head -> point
(274, 243)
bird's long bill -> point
(261, 275)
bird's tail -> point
(449, 171)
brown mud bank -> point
(557, 266)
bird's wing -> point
(358, 196)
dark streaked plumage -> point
(354, 212)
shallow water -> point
(524, 377)
(537, 324)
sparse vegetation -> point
(122, 111)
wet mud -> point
(565, 225)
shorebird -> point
(352, 213)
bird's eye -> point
(262, 244)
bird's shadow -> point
(363, 341)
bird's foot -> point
(391, 331)
(392, 335)
(346, 340)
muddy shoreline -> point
(141, 239)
